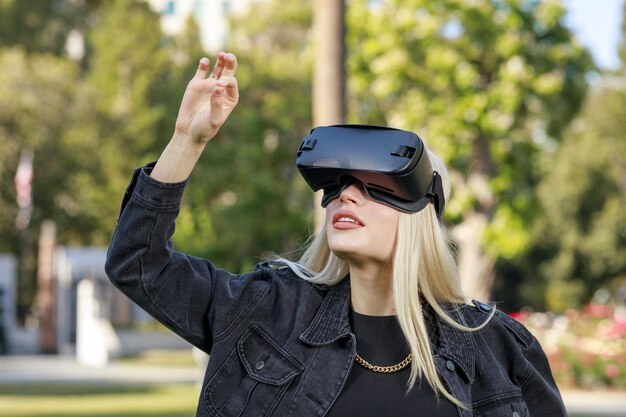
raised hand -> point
(209, 99)
(207, 103)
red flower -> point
(598, 310)
(520, 316)
(611, 371)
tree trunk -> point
(477, 269)
(328, 72)
(46, 294)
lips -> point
(345, 219)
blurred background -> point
(525, 100)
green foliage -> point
(34, 116)
(507, 236)
(581, 241)
(127, 65)
(87, 132)
(467, 76)
(41, 25)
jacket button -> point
(486, 308)
(515, 414)
(260, 364)
(451, 367)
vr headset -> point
(392, 164)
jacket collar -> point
(331, 320)
(451, 343)
(331, 323)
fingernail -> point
(204, 60)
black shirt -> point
(380, 341)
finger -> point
(217, 107)
(230, 65)
(203, 68)
(229, 84)
(219, 66)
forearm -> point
(177, 159)
(146, 223)
(171, 286)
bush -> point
(587, 348)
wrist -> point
(178, 159)
(185, 143)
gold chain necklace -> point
(383, 369)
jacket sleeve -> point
(187, 294)
(532, 371)
(541, 395)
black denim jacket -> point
(281, 346)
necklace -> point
(383, 369)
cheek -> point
(386, 229)
(387, 218)
(389, 232)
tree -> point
(488, 84)
(580, 242)
(582, 237)
(126, 68)
(43, 25)
(35, 111)
(86, 133)
(33, 117)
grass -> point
(173, 400)
(157, 357)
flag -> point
(24, 189)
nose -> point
(352, 194)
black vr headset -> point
(392, 164)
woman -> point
(371, 321)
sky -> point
(597, 26)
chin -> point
(343, 253)
(354, 256)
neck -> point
(371, 290)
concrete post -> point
(8, 295)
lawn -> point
(175, 400)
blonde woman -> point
(371, 321)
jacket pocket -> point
(502, 406)
(253, 378)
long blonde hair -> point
(423, 264)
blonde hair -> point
(423, 264)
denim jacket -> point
(282, 346)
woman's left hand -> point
(208, 100)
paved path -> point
(55, 369)
(596, 403)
